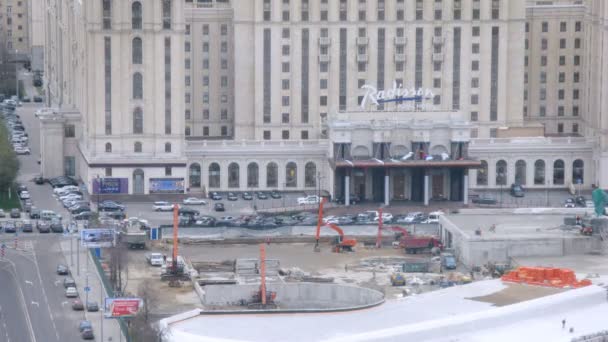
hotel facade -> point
(380, 100)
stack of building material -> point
(545, 276)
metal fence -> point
(110, 291)
(601, 336)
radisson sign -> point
(397, 93)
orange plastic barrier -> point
(545, 276)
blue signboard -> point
(154, 234)
(166, 185)
(110, 185)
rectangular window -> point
(304, 135)
(285, 101)
(266, 135)
(285, 118)
(563, 26)
(69, 164)
(168, 84)
(474, 99)
(474, 116)
(475, 65)
(285, 84)
(575, 94)
(108, 172)
(205, 114)
(108, 84)
(266, 10)
(543, 60)
(168, 171)
(187, 46)
(305, 76)
(542, 111)
(493, 132)
(205, 131)
(543, 44)
(69, 131)
(167, 14)
(419, 10)
(576, 77)
(475, 31)
(495, 9)
(560, 94)
(562, 43)
(323, 100)
(285, 66)
(574, 110)
(560, 128)
(578, 26)
(205, 30)
(107, 14)
(343, 66)
(560, 111)
(543, 77)
(562, 60)
(323, 83)
(475, 82)
(574, 128)
(545, 26)
(543, 94)
(343, 9)
(456, 70)
(475, 48)
(419, 57)
(224, 131)
(304, 10)
(285, 134)
(562, 77)
(381, 56)
(224, 114)
(380, 10)
(267, 73)
(577, 43)
(577, 60)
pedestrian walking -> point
(563, 323)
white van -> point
(434, 217)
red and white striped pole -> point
(16, 241)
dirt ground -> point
(515, 293)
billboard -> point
(110, 185)
(99, 237)
(122, 307)
(166, 185)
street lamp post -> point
(98, 192)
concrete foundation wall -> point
(298, 297)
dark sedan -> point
(215, 196)
(261, 195)
(485, 199)
(56, 226)
(275, 194)
(247, 196)
(232, 196)
(43, 226)
(62, 270)
(10, 227)
(15, 213)
(219, 207)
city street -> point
(39, 309)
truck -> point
(132, 234)
(448, 261)
(418, 244)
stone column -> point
(347, 189)
(465, 192)
(426, 189)
(386, 188)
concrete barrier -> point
(300, 297)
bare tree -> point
(141, 326)
(119, 269)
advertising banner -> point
(122, 307)
(166, 185)
(98, 238)
(110, 185)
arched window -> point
(501, 172)
(108, 147)
(310, 175)
(252, 175)
(166, 14)
(578, 172)
(482, 173)
(137, 147)
(194, 175)
(272, 175)
(214, 175)
(137, 51)
(520, 172)
(138, 121)
(558, 172)
(539, 172)
(291, 175)
(136, 15)
(167, 147)
(233, 175)
(138, 86)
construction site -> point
(474, 281)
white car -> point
(24, 195)
(312, 199)
(589, 204)
(70, 197)
(163, 206)
(65, 189)
(386, 217)
(194, 201)
(22, 150)
(155, 259)
(71, 292)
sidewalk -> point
(111, 329)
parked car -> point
(231, 196)
(69, 282)
(56, 226)
(262, 195)
(27, 226)
(43, 226)
(15, 213)
(63, 270)
(84, 325)
(485, 199)
(2, 213)
(39, 180)
(24, 195)
(111, 206)
(194, 201)
(77, 305)
(38, 99)
(517, 190)
(219, 207)
(114, 215)
(411, 218)
(71, 292)
(312, 199)
(87, 334)
(163, 206)
(589, 204)
(188, 212)
(569, 203)
(215, 196)
(154, 259)
(10, 227)
(580, 201)
(83, 216)
(247, 196)
(275, 194)
(92, 306)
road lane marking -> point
(29, 282)
(44, 295)
(28, 321)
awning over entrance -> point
(395, 163)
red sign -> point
(122, 307)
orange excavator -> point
(341, 243)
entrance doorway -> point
(398, 180)
(457, 184)
(378, 185)
(138, 182)
(437, 185)
(359, 183)
(417, 185)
